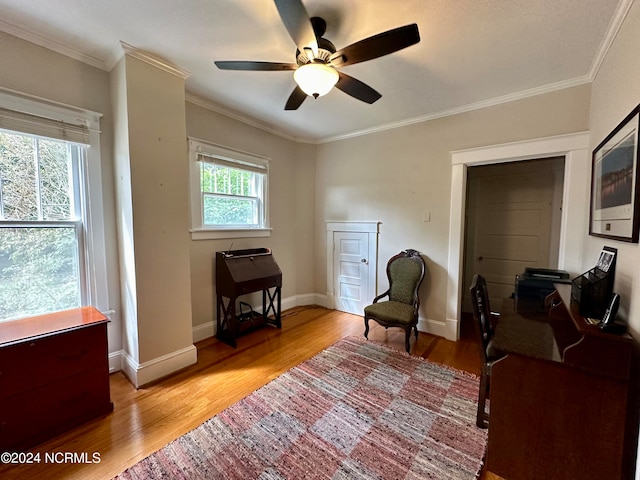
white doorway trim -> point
(373, 229)
(577, 170)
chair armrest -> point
(382, 295)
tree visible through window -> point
(40, 225)
(231, 197)
(229, 192)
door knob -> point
(480, 258)
(364, 260)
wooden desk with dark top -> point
(562, 400)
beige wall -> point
(393, 176)
(615, 92)
(291, 207)
(397, 175)
(38, 71)
(292, 188)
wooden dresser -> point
(54, 375)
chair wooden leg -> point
(416, 331)
(366, 328)
(482, 419)
(406, 338)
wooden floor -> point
(145, 420)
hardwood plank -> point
(145, 420)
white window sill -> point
(213, 234)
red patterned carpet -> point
(357, 410)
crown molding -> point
(614, 27)
(248, 120)
(41, 41)
(152, 60)
(532, 92)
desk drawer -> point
(37, 362)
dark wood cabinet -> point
(54, 375)
(563, 404)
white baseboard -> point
(149, 371)
(447, 329)
(311, 299)
(207, 330)
(203, 331)
(322, 300)
(115, 361)
(286, 304)
(142, 374)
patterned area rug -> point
(357, 410)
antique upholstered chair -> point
(405, 272)
(484, 323)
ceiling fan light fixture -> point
(316, 79)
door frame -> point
(372, 229)
(552, 168)
(577, 171)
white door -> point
(352, 270)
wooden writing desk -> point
(561, 402)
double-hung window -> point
(45, 240)
(228, 192)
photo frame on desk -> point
(615, 178)
(607, 259)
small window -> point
(230, 196)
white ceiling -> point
(472, 52)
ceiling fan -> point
(317, 59)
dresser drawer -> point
(37, 414)
(37, 362)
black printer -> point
(536, 283)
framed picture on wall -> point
(615, 199)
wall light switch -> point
(426, 216)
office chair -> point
(484, 323)
(405, 272)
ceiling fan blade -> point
(264, 66)
(377, 46)
(357, 89)
(295, 99)
(297, 22)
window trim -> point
(89, 164)
(232, 157)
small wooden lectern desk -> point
(239, 272)
(562, 400)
